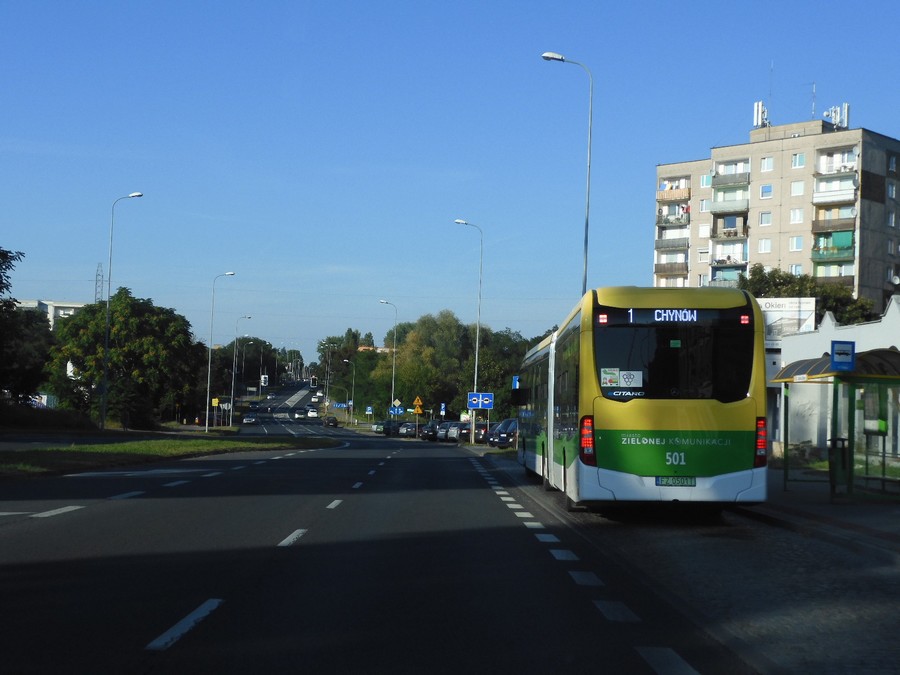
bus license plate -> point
(676, 481)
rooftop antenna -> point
(813, 101)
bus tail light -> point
(586, 442)
(762, 442)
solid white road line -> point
(292, 537)
(172, 635)
(56, 512)
(128, 495)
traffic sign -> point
(397, 410)
(418, 410)
(417, 402)
(480, 400)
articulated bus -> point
(649, 395)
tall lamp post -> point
(394, 362)
(104, 393)
(478, 319)
(234, 367)
(212, 314)
(352, 386)
(553, 56)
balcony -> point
(833, 253)
(670, 268)
(729, 233)
(834, 169)
(679, 195)
(721, 180)
(730, 206)
(727, 261)
(845, 196)
(723, 283)
(672, 244)
(664, 221)
(834, 225)
(848, 280)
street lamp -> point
(212, 314)
(478, 319)
(394, 363)
(103, 397)
(352, 386)
(234, 367)
(553, 56)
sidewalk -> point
(864, 519)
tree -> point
(24, 353)
(832, 298)
(154, 362)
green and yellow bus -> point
(649, 395)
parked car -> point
(391, 428)
(494, 433)
(428, 431)
(408, 430)
(481, 432)
(329, 421)
(508, 436)
(378, 427)
(442, 430)
(457, 432)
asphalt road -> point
(379, 556)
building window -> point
(798, 160)
(796, 216)
(892, 164)
(890, 273)
(891, 219)
(765, 246)
(703, 231)
(703, 255)
(767, 164)
(890, 246)
(892, 189)
(765, 218)
(797, 270)
(795, 244)
(797, 188)
(704, 206)
(765, 191)
(705, 180)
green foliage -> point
(24, 351)
(832, 298)
(154, 363)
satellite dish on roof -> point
(895, 280)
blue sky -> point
(322, 150)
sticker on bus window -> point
(675, 344)
(631, 378)
(609, 377)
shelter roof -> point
(877, 364)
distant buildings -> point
(54, 309)
(811, 198)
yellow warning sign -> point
(417, 403)
(418, 410)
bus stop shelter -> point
(872, 388)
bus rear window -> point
(674, 353)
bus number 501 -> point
(676, 458)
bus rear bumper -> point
(740, 487)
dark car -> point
(508, 436)
(494, 433)
(329, 421)
(428, 432)
(481, 432)
(391, 428)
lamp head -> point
(229, 274)
(459, 221)
(136, 194)
(552, 56)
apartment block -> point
(813, 198)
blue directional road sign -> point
(397, 410)
(480, 400)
